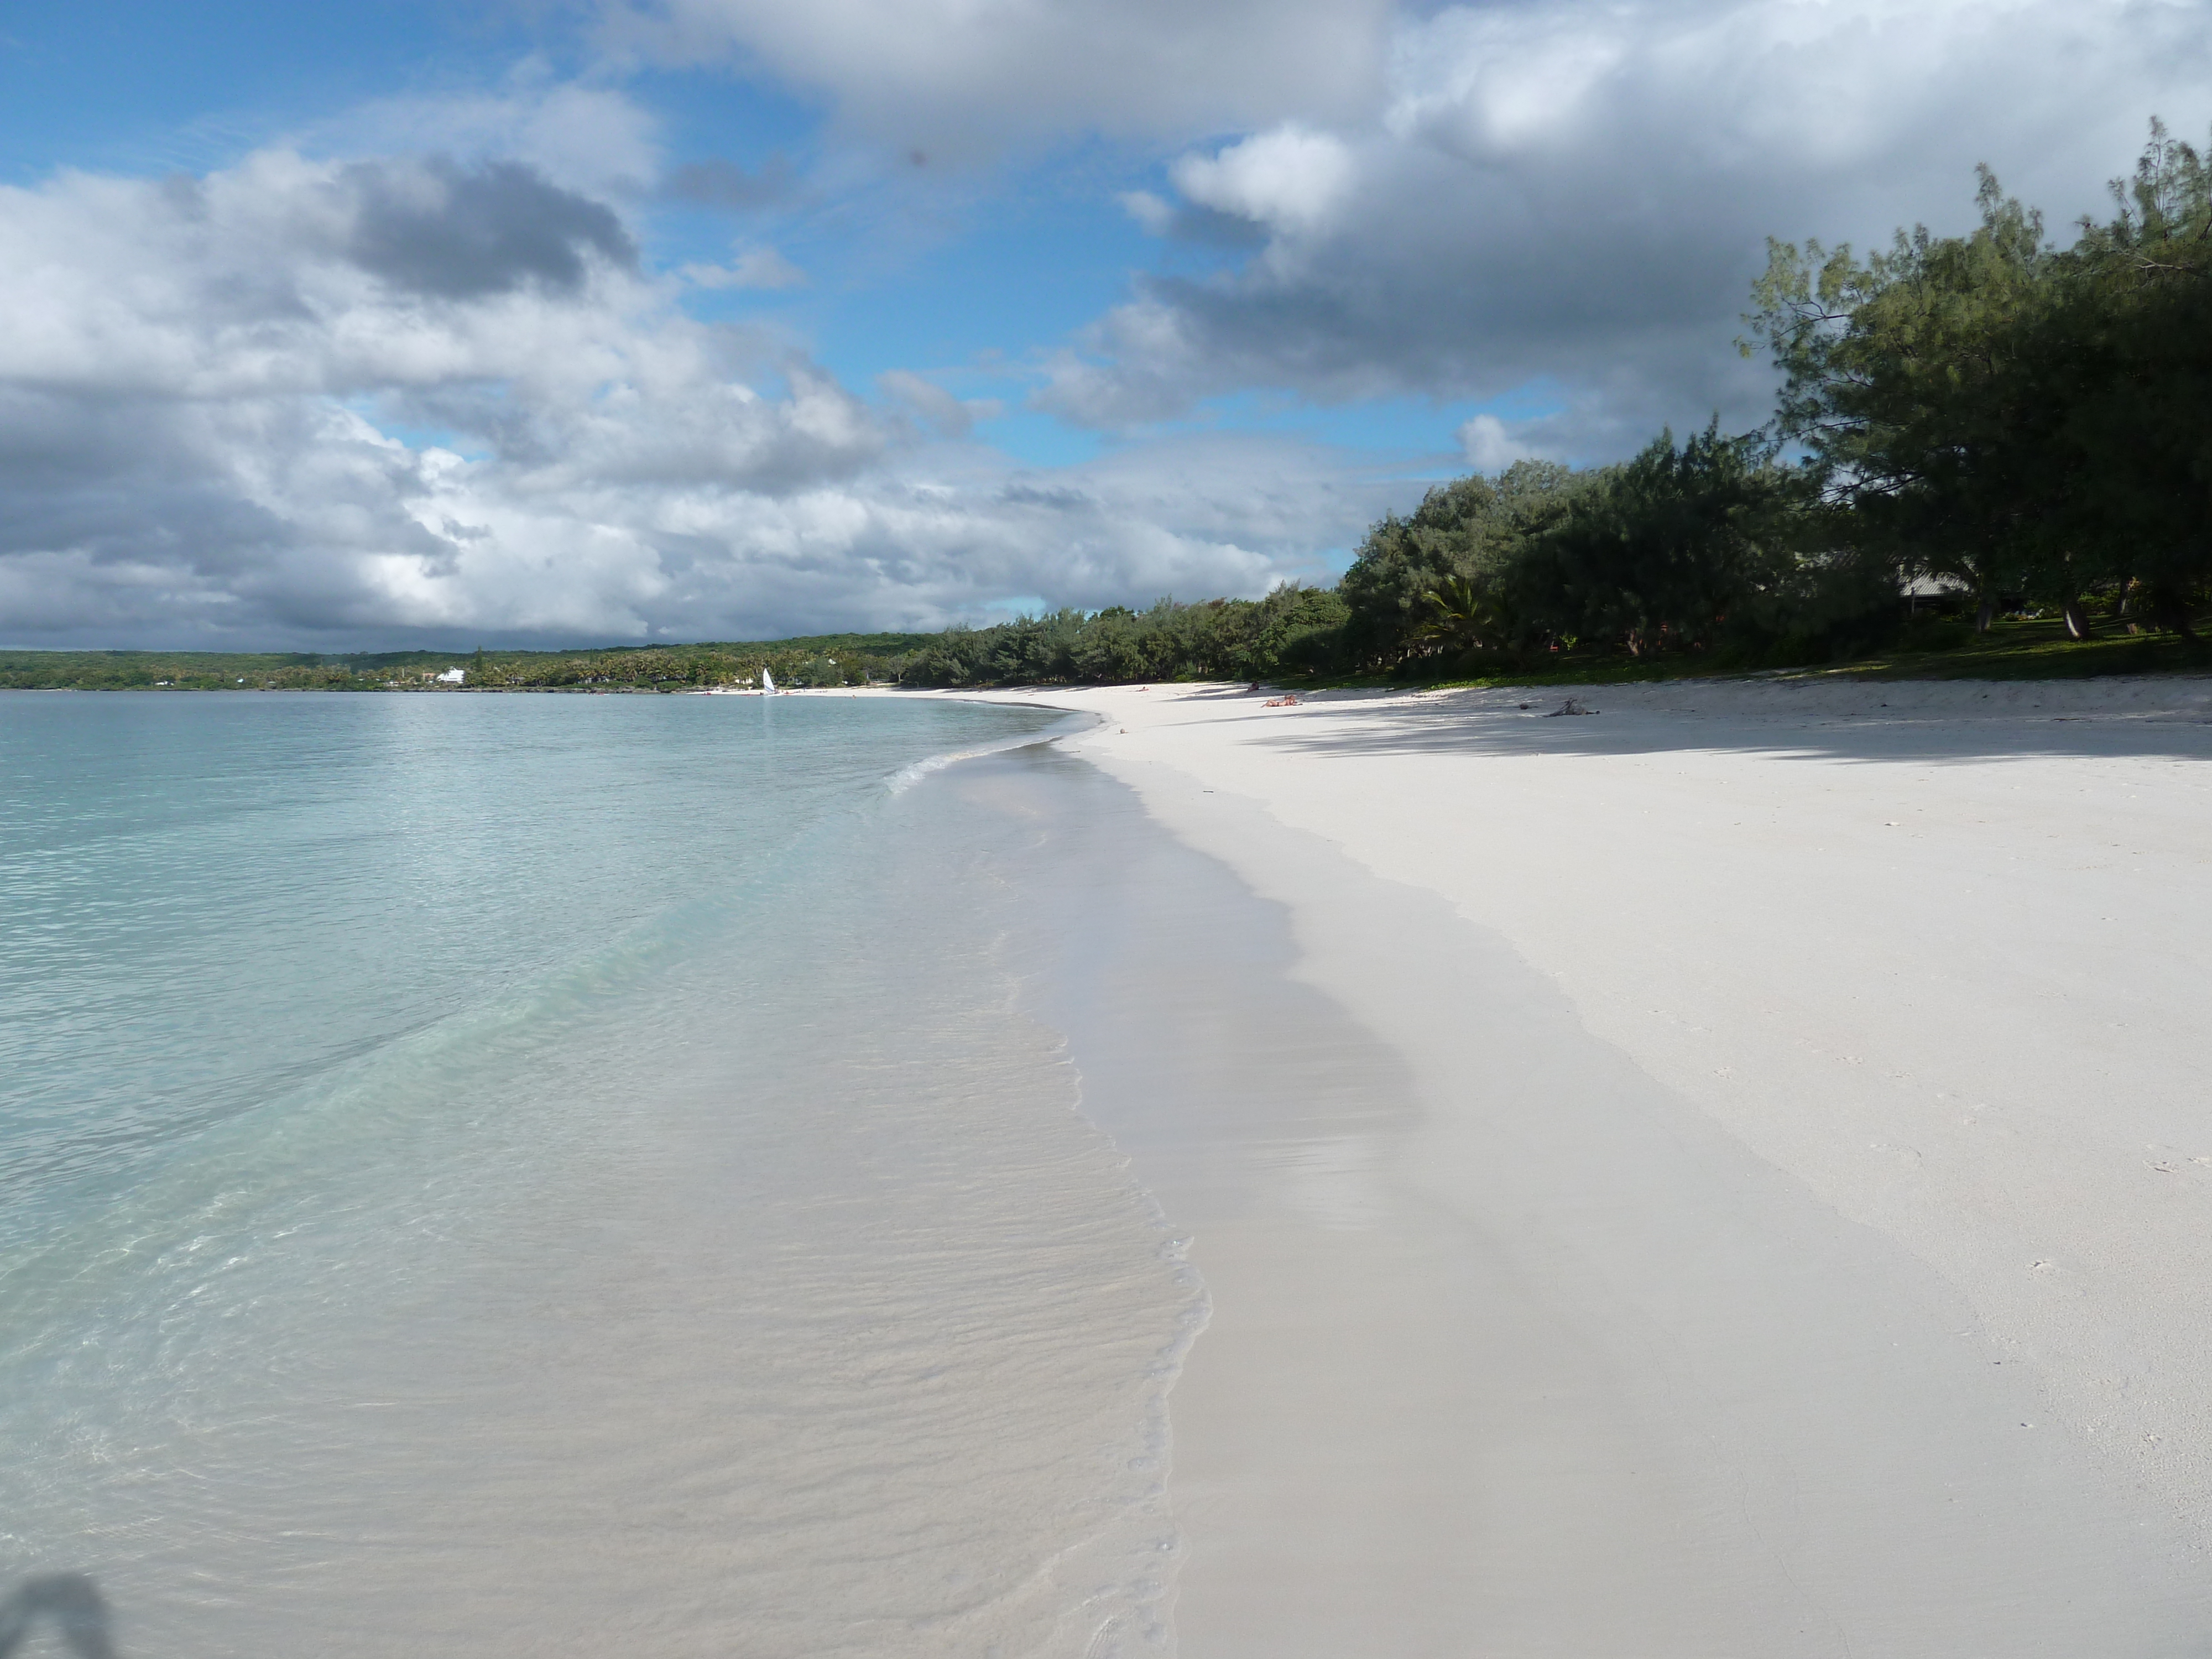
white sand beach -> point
(1799, 1239)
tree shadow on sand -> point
(2156, 719)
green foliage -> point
(2029, 422)
(1467, 531)
(1466, 615)
(826, 659)
(1708, 545)
(2131, 323)
(1294, 630)
(204, 671)
(823, 659)
(1904, 378)
(1668, 550)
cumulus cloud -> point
(595, 138)
(1581, 192)
(753, 268)
(1491, 445)
(927, 541)
(332, 403)
(935, 408)
(1289, 182)
(415, 371)
(461, 233)
(961, 79)
(1147, 209)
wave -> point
(906, 776)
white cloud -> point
(961, 79)
(589, 137)
(1155, 214)
(754, 268)
(1491, 445)
(933, 407)
(1290, 180)
(335, 402)
(412, 371)
(1579, 193)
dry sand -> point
(1800, 1241)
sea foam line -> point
(906, 776)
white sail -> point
(767, 681)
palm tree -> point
(1465, 617)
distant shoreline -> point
(1843, 674)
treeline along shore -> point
(1992, 455)
(826, 659)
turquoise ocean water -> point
(555, 1175)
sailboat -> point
(768, 683)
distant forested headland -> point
(821, 660)
(1988, 445)
(1990, 450)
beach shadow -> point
(1230, 692)
(69, 1603)
(2004, 723)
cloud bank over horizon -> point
(553, 358)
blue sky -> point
(967, 279)
(134, 87)
(657, 319)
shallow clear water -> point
(532, 1175)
